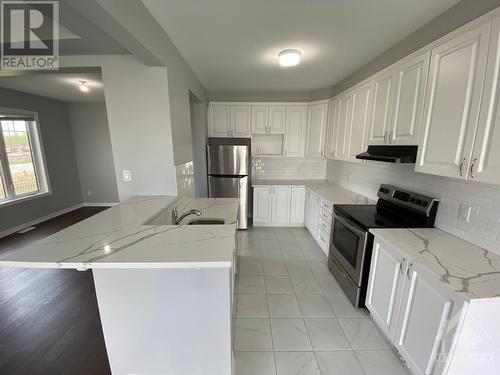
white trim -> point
(99, 204)
(33, 222)
(24, 198)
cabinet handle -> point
(390, 137)
(401, 265)
(461, 167)
(472, 167)
(385, 137)
(408, 271)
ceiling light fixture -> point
(83, 86)
(289, 57)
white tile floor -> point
(291, 316)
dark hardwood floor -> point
(49, 320)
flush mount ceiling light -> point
(83, 86)
(289, 57)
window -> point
(22, 172)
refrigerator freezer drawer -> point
(231, 187)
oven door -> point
(347, 246)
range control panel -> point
(414, 201)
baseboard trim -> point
(33, 222)
(100, 204)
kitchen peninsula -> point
(164, 291)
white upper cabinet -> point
(218, 121)
(296, 117)
(260, 115)
(385, 286)
(452, 100)
(411, 80)
(316, 129)
(485, 161)
(229, 121)
(358, 127)
(398, 103)
(381, 118)
(277, 119)
(331, 129)
(268, 119)
(345, 115)
(240, 121)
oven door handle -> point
(351, 226)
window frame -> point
(38, 159)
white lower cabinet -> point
(385, 286)
(413, 309)
(312, 212)
(278, 205)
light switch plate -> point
(464, 213)
(127, 175)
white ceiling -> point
(233, 44)
(61, 86)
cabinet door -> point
(452, 101)
(277, 117)
(313, 214)
(219, 118)
(240, 121)
(361, 105)
(316, 130)
(429, 312)
(411, 78)
(385, 286)
(297, 205)
(260, 116)
(262, 205)
(281, 204)
(485, 165)
(345, 114)
(381, 118)
(295, 135)
(331, 129)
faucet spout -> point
(176, 219)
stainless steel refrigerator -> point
(228, 168)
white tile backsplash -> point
(288, 168)
(483, 228)
(185, 179)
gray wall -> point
(94, 157)
(456, 16)
(130, 23)
(59, 156)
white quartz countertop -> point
(465, 268)
(119, 238)
(326, 189)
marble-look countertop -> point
(119, 238)
(465, 268)
(324, 188)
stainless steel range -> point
(351, 242)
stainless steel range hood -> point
(390, 154)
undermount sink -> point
(206, 221)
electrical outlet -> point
(464, 213)
(127, 175)
(89, 193)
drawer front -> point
(324, 204)
(325, 215)
(323, 240)
(325, 225)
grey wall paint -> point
(130, 23)
(94, 157)
(59, 156)
(456, 16)
(258, 96)
(199, 131)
